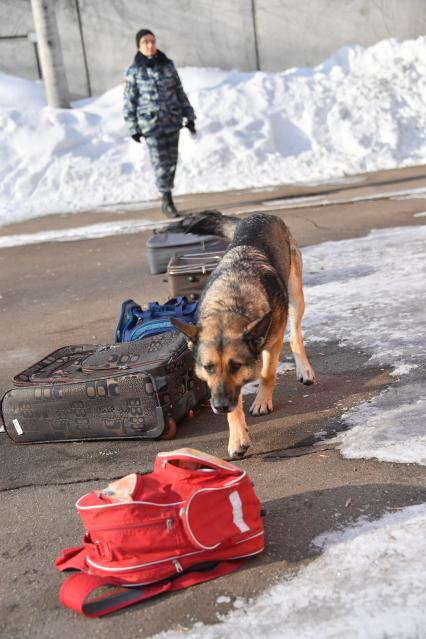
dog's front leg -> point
(239, 440)
(263, 405)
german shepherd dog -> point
(242, 315)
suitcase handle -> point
(190, 268)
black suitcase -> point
(160, 247)
(188, 274)
(137, 389)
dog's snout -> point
(220, 401)
(220, 405)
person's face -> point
(147, 45)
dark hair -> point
(140, 34)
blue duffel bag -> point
(136, 323)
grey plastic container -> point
(162, 246)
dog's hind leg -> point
(263, 405)
(239, 440)
(304, 371)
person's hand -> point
(137, 137)
(190, 125)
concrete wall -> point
(191, 32)
(17, 53)
(305, 33)
(98, 35)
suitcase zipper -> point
(33, 371)
(141, 366)
(124, 367)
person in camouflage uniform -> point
(155, 108)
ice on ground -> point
(391, 427)
(367, 293)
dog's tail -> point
(209, 222)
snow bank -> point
(361, 110)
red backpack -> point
(192, 519)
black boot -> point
(167, 205)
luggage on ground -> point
(138, 389)
(162, 246)
(188, 274)
(192, 519)
(136, 322)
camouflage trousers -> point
(163, 151)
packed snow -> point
(360, 110)
(368, 583)
(87, 232)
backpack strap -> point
(126, 320)
(175, 307)
(76, 590)
(136, 323)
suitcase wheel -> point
(170, 430)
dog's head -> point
(227, 354)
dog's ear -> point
(189, 330)
(256, 332)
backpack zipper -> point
(154, 522)
(143, 566)
(177, 565)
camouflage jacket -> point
(154, 99)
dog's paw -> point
(238, 454)
(238, 448)
(261, 406)
(305, 375)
